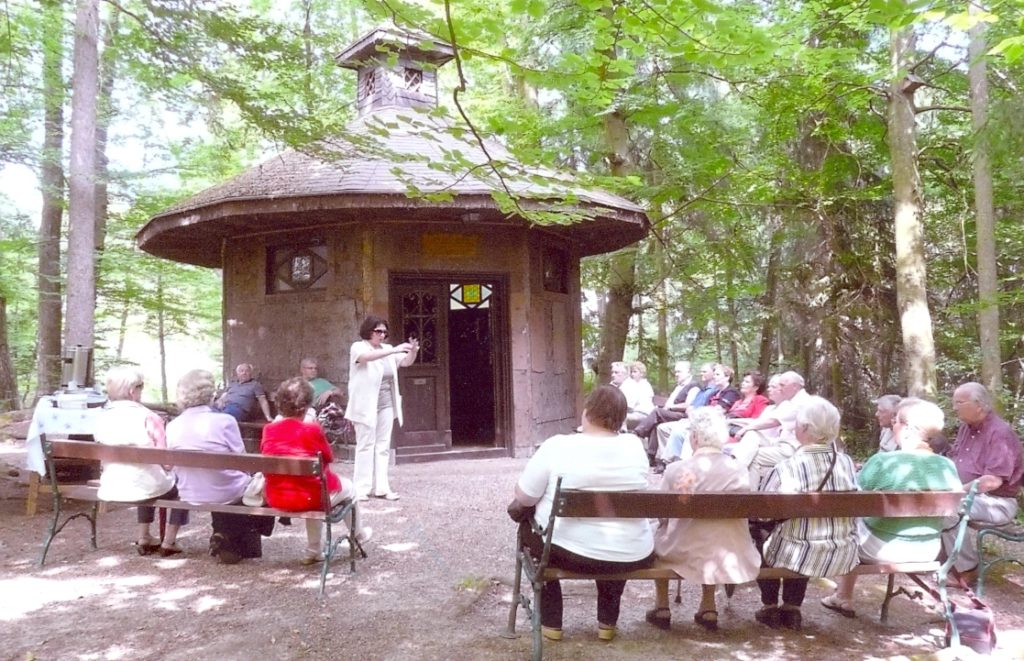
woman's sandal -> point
(146, 548)
(168, 551)
(834, 603)
(660, 617)
(707, 619)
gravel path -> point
(436, 586)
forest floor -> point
(437, 585)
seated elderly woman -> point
(752, 401)
(705, 551)
(292, 436)
(824, 546)
(125, 421)
(913, 467)
(597, 458)
(639, 395)
(199, 427)
(739, 417)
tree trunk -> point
(82, 200)
(8, 384)
(618, 309)
(160, 334)
(771, 283)
(730, 301)
(122, 332)
(988, 277)
(622, 267)
(911, 280)
(661, 302)
(105, 112)
(48, 366)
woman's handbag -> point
(975, 624)
(762, 529)
(254, 495)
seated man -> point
(666, 430)
(674, 409)
(242, 396)
(323, 390)
(987, 450)
(723, 395)
(759, 450)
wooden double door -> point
(457, 392)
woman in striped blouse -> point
(824, 546)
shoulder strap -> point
(831, 466)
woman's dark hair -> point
(760, 384)
(606, 407)
(294, 396)
(371, 322)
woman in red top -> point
(292, 437)
(752, 400)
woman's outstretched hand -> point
(408, 347)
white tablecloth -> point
(50, 420)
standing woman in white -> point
(374, 402)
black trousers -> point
(647, 427)
(242, 532)
(609, 593)
(793, 589)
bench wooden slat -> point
(551, 574)
(250, 463)
(88, 493)
(740, 505)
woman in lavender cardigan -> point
(199, 427)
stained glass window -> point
(291, 268)
(465, 296)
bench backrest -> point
(744, 505)
(250, 463)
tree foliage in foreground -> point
(755, 135)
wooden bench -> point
(718, 505)
(249, 463)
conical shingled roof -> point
(371, 171)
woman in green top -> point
(914, 467)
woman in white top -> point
(374, 402)
(125, 421)
(597, 458)
(639, 395)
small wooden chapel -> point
(310, 242)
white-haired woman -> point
(199, 427)
(705, 551)
(822, 546)
(913, 467)
(125, 421)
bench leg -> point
(538, 639)
(56, 525)
(32, 499)
(328, 551)
(985, 566)
(883, 617)
(982, 565)
(97, 506)
(517, 596)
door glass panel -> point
(419, 320)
